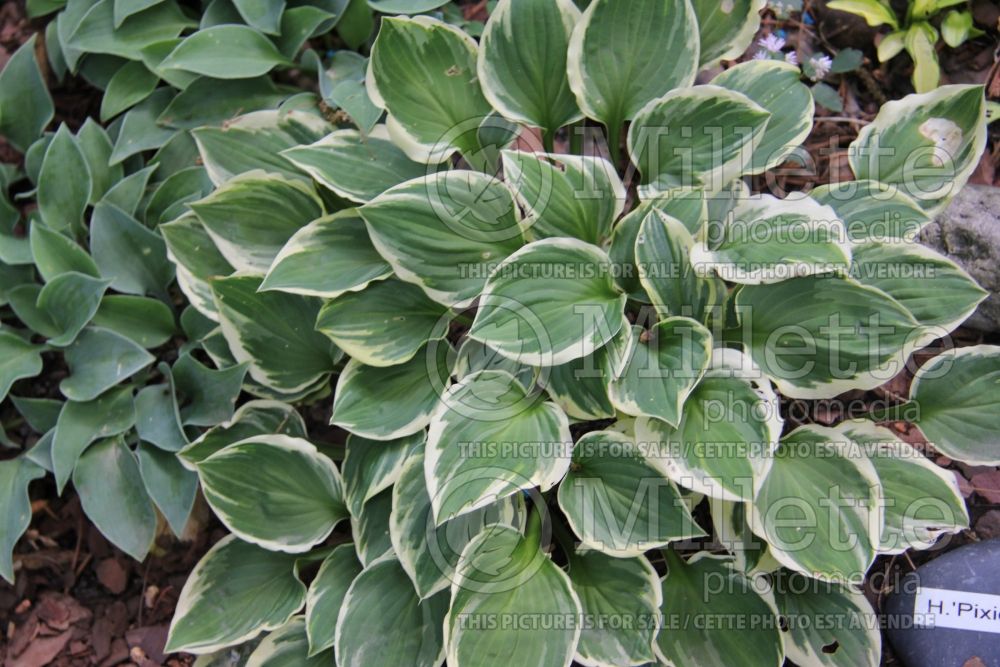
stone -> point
(968, 232)
(967, 571)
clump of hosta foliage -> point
(560, 374)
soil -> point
(78, 601)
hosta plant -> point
(560, 374)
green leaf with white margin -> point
(705, 587)
(423, 72)
(776, 86)
(663, 264)
(702, 137)
(196, 260)
(385, 403)
(274, 333)
(355, 166)
(326, 595)
(370, 528)
(730, 425)
(64, 182)
(56, 253)
(112, 494)
(473, 357)
(235, 592)
(609, 64)
(619, 503)
(549, 303)
(522, 62)
(19, 359)
(129, 254)
(625, 589)
(171, 486)
(81, 423)
(445, 232)
(225, 52)
(385, 324)
(70, 300)
(938, 293)
(503, 574)
(921, 500)
(466, 466)
(15, 476)
(253, 216)
(565, 195)
(25, 103)
(288, 645)
(768, 240)
(254, 418)
(277, 492)
(428, 552)
(99, 359)
(328, 257)
(581, 387)
(372, 466)
(873, 211)
(818, 506)
(820, 336)
(854, 639)
(726, 28)
(956, 397)
(383, 622)
(942, 132)
(663, 366)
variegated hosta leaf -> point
(921, 500)
(663, 263)
(385, 324)
(610, 68)
(253, 215)
(818, 506)
(938, 293)
(927, 145)
(326, 595)
(706, 587)
(235, 592)
(625, 589)
(429, 552)
(848, 626)
(549, 303)
(775, 86)
(288, 645)
(197, 261)
(446, 232)
(729, 521)
(566, 195)
(490, 438)
(504, 575)
(383, 622)
(274, 333)
(15, 476)
(423, 72)
(522, 62)
(328, 257)
(473, 357)
(274, 491)
(664, 364)
(371, 466)
(701, 137)
(385, 403)
(767, 240)
(619, 503)
(355, 166)
(873, 211)
(726, 27)
(820, 336)
(251, 419)
(581, 387)
(957, 403)
(370, 528)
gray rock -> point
(968, 232)
(972, 569)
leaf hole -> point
(831, 648)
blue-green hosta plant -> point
(560, 375)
